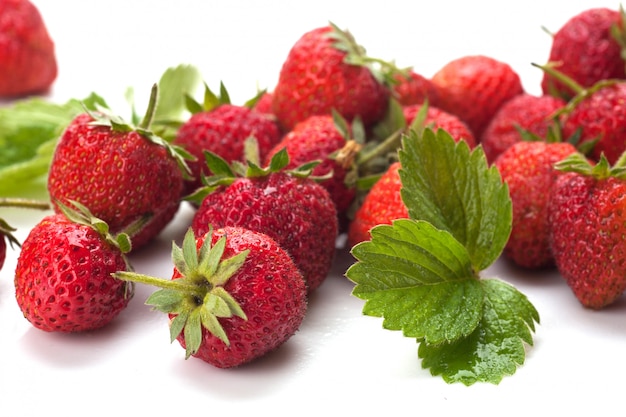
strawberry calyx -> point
(104, 117)
(7, 231)
(197, 299)
(578, 163)
(210, 100)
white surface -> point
(339, 360)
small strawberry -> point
(381, 205)
(63, 279)
(27, 57)
(587, 48)
(120, 172)
(414, 88)
(234, 296)
(325, 70)
(474, 87)
(289, 206)
(523, 113)
(587, 217)
(221, 127)
(527, 167)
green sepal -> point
(496, 347)
(210, 100)
(577, 162)
(7, 231)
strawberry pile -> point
(274, 182)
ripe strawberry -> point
(222, 128)
(523, 113)
(527, 167)
(600, 114)
(381, 205)
(121, 173)
(439, 119)
(293, 209)
(585, 49)
(27, 57)
(320, 74)
(474, 87)
(235, 295)
(414, 88)
(587, 217)
(63, 279)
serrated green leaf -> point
(450, 186)
(419, 279)
(175, 85)
(495, 349)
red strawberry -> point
(381, 205)
(599, 112)
(319, 75)
(27, 57)
(414, 88)
(585, 49)
(527, 167)
(294, 210)
(222, 128)
(235, 295)
(523, 113)
(63, 279)
(587, 217)
(439, 119)
(474, 87)
(119, 172)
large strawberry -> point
(325, 70)
(120, 172)
(221, 127)
(63, 279)
(523, 115)
(27, 57)
(473, 87)
(587, 217)
(234, 296)
(527, 167)
(587, 48)
(290, 207)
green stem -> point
(568, 81)
(173, 284)
(24, 203)
(147, 118)
(392, 142)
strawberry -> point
(414, 88)
(527, 167)
(587, 48)
(27, 57)
(587, 217)
(120, 172)
(439, 119)
(600, 115)
(381, 205)
(222, 128)
(474, 87)
(321, 73)
(291, 208)
(235, 295)
(63, 279)
(523, 113)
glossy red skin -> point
(120, 177)
(298, 213)
(528, 112)
(27, 57)
(314, 79)
(584, 50)
(528, 170)
(415, 90)
(474, 87)
(3, 250)
(439, 119)
(382, 204)
(316, 138)
(269, 289)
(587, 218)
(223, 131)
(601, 116)
(63, 279)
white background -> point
(339, 361)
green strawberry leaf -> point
(447, 184)
(419, 279)
(495, 348)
